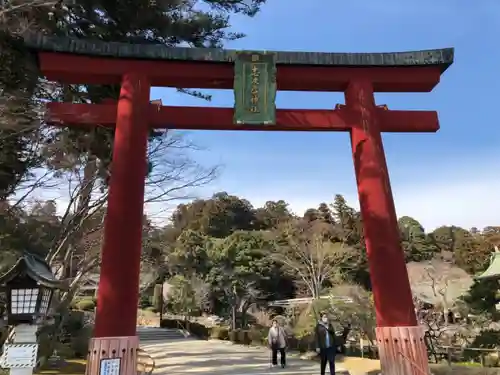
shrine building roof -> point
(493, 271)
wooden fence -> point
(449, 353)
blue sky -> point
(450, 177)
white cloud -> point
(464, 196)
(469, 203)
(452, 192)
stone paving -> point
(193, 357)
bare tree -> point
(312, 258)
(438, 283)
(78, 183)
(10, 6)
(439, 333)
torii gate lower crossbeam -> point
(400, 340)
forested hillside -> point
(236, 254)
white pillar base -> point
(402, 350)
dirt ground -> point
(359, 366)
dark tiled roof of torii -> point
(438, 57)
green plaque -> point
(255, 88)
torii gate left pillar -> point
(118, 292)
(124, 217)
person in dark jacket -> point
(325, 344)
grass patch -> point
(372, 367)
(463, 369)
(69, 367)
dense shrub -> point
(219, 333)
(244, 337)
(80, 343)
(73, 303)
(196, 329)
(254, 336)
(85, 305)
(65, 351)
(73, 323)
(306, 343)
(234, 336)
(172, 323)
(258, 336)
(487, 339)
(462, 370)
(144, 301)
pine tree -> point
(193, 23)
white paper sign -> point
(110, 366)
(19, 355)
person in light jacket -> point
(325, 344)
(277, 342)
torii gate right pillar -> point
(400, 340)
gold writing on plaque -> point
(255, 76)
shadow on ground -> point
(219, 358)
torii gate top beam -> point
(73, 60)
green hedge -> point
(219, 333)
(258, 337)
(255, 336)
(172, 323)
(196, 329)
(85, 304)
(240, 336)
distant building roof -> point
(91, 282)
(299, 301)
(493, 271)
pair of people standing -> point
(325, 343)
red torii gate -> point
(139, 67)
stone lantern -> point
(29, 286)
